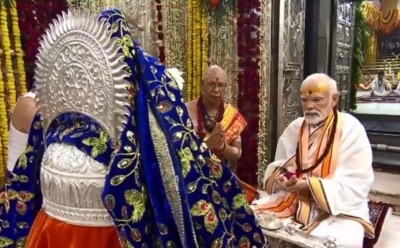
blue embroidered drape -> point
(163, 187)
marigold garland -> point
(197, 49)
(7, 91)
(18, 48)
(8, 59)
(3, 121)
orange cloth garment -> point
(48, 232)
(250, 192)
(233, 124)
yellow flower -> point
(18, 47)
(7, 85)
(3, 110)
(197, 48)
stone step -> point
(386, 188)
(390, 235)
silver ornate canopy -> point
(79, 69)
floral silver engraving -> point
(72, 183)
(80, 69)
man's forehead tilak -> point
(314, 88)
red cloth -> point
(48, 232)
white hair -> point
(322, 77)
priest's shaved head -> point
(319, 97)
(215, 69)
(214, 84)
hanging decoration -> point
(142, 17)
(248, 25)
(7, 66)
(7, 91)
(21, 86)
(12, 75)
(217, 7)
(175, 28)
(197, 49)
(222, 44)
(264, 135)
(160, 31)
(34, 18)
(376, 20)
(3, 121)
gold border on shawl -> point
(270, 183)
(319, 194)
(304, 208)
(312, 225)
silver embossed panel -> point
(291, 54)
(343, 49)
(79, 69)
(72, 183)
(140, 15)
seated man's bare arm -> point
(23, 114)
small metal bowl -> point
(271, 225)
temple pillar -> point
(371, 48)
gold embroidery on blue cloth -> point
(168, 175)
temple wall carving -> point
(342, 54)
(291, 57)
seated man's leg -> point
(348, 233)
(396, 92)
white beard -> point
(313, 119)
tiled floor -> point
(377, 108)
(390, 237)
(389, 184)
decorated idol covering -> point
(99, 91)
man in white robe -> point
(397, 90)
(322, 171)
(380, 86)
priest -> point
(322, 172)
(218, 123)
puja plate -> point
(273, 225)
